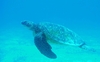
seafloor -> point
(17, 45)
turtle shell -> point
(59, 33)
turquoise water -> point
(17, 42)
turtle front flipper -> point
(42, 45)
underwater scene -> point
(50, 31)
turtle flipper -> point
(86, 47)
(42, 45)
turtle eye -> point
(28, 25)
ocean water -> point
(17, 42)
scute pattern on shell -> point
(60, 33)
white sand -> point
(19, 47)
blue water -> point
(16, 41)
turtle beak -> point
(25, 23)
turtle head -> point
(32, 26)
(28, 24)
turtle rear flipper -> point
(86, 47)
(42, 45)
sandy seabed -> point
(17, 47)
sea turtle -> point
(49, 31)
